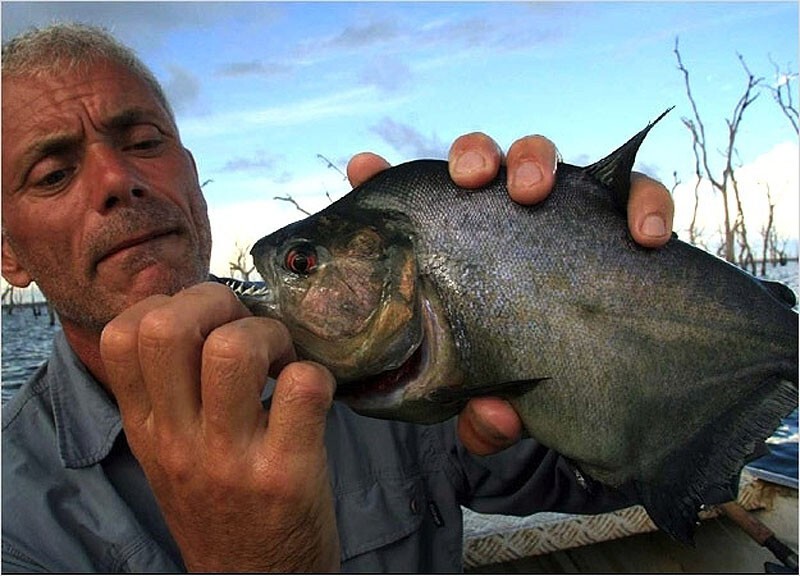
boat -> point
(627, 541)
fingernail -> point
(469, 162)
(653, 226)
(528, 174)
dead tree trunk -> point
(239, 264)
(8, 295)
(734, 228)
(767, 233)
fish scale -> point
(658, 370)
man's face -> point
(101, 203)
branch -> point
(696, 126)
(784, 80)
(293, 201)
(332, 165)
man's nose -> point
(113, 178)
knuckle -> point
(215, 289)
(308, 385)
(174, 460)
(162, 325)
(230, 343)
(226, 473)
(116, 340)
(252, 340)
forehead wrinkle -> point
(45, 146)
(52, 145)
(123, 120)
(60, 144)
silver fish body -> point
(658, 369)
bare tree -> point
(734, 228)
(8, 295)
(782, 93)
(767, 233)
(240, 263)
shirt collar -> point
(87, 420)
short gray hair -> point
(71, 46)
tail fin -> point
(715, 456)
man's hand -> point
(488, 425)
(242, 489)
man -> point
(143, 444)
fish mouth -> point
(386, 383)
(256, 296)
(409, 391)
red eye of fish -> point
(301, 259)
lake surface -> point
(27, 340)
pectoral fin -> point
(460, 395)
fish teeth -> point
(241, 287)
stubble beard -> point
(89, 303)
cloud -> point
(778, 169)
(137, 23)
(253, 68)
(244, 223)
(426, 39)
(182, 88)
(259, 162)
(409, 141)
(581, 160)
(387, 73)
(651, 169)
(351, 101)
(141, 25)
(363, 34)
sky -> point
(266, 93)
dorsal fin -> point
(614, 171)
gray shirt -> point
(76, 500)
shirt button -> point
(414, 505)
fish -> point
(653, 370)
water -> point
(781, 464)
(27, 340)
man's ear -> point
(13, 271)
(192, 160)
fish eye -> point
(301, 259)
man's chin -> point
(160, 279)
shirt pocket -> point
(379, 514)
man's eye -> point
(143, 138)
(146, 144)
(53, 179)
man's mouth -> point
(135, 241)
